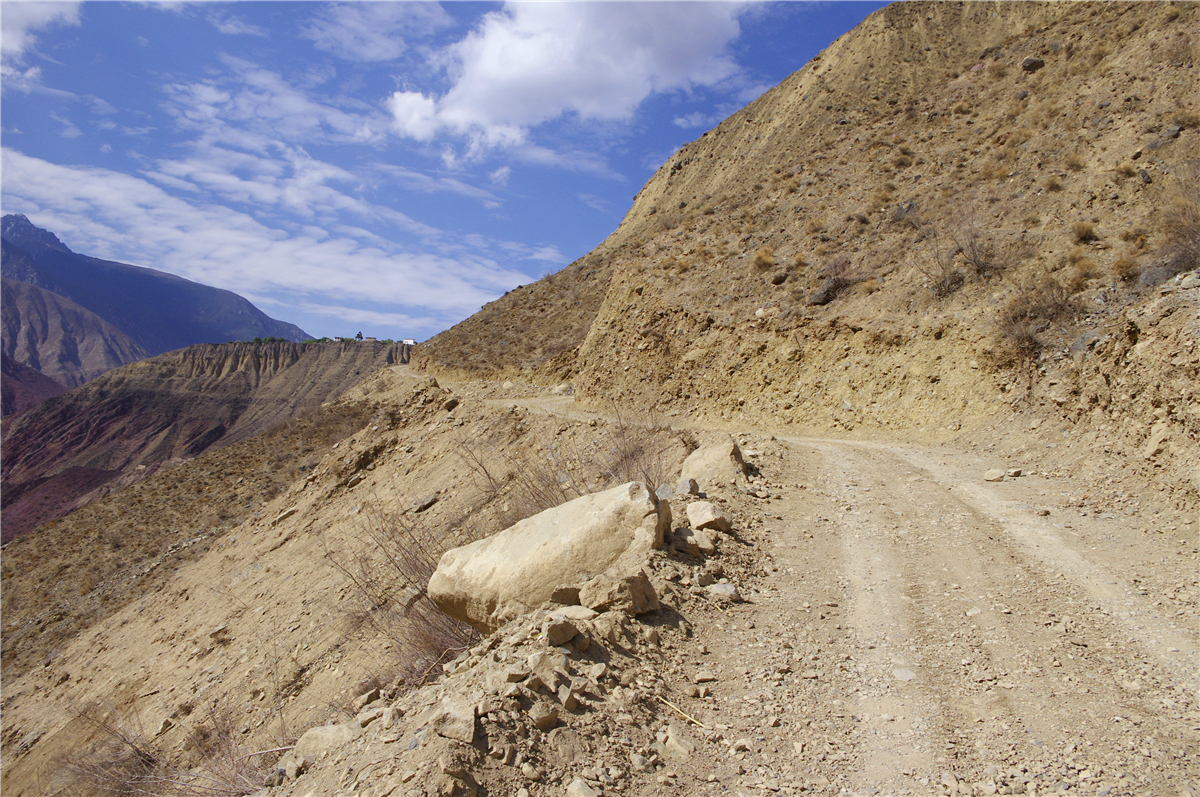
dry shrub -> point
(1075, 162)
(837, 276)
(764, 258)
(815, 226)
(1036, 303)
(1125, 170)
(1084, 232)
(979, 249)
(995, 170)
(123, 761)
(1181, 222)
(1138, 236)
(1054, 183)
(389, 561)
(1125, 268)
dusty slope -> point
(1108, 432)
(862, 561)
(917, 157)
(172, 406)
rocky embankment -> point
(174, 406)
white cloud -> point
(534, 62)
(252, 106)
(69, 128)
(373, 31)
(20, 21)
(233, 25)
(594, 202)
(500, 176)
(697, 119)
(117, 216)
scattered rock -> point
(632, 594)
(724, 593)
(1157, 441)
(426, 502)
(994, 475)
(903, 674)
(679, 744)
(450, 403)
(707, 515)
(558, 630)
(1032, 64)
(714, 463)
(580, 788)
(454, 719)
(687, 487)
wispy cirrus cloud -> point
(374, 31)
(233, 25)
(119, 216)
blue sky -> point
(383, 167)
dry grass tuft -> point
(1125, 268)
(1084, 232)
(764, 258)
(1036, 303)
(1181, 222)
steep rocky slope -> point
(57, 337)
(168, 407)
(908, 626)
(159, 311)
(23, 387)
(942, 218)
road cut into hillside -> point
(915, 628)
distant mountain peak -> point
(17, 228)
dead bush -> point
(389, 560)
(1084, 232)
(764, 258)
(837, 276)
(1181, 222)
(1125, 268)
(938, 264)
(123, 761)
(1036, 303)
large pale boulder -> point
(607, 534)
(714, 463)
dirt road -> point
(917, 626)
(917, 629)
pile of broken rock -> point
(557, 697)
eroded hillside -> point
(130, 421)
(955, 336)
(953, 212)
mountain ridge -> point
(159, 311)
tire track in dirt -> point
(933, 647)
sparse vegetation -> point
(1125, 268)
(1054, 183)
(124, 762)
(1035, 304)
(1084, 232)
(764, 258)
(1181, 222)
(1075, 162)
